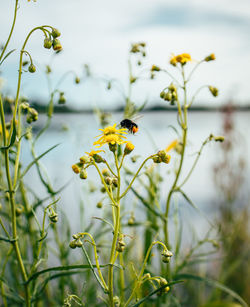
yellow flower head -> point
(112, 130)
(111, 135)
(181, 58)
(110, 139)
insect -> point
(130, 125)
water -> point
(154, 133)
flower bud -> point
(128, 148)
(219, 139)
(72, 244)
(112, 147)
(98, 158)
(32, 68)
(83, 174)
(162, 94)
(103, 190)
(132, 79)
(47, 43)
(79, 243)
(120, 246)
(163, 282)
(210, 57)
(85, 159)
(54, 217)
(116, 301)
(77, 80)
(156, 159)
(155, 68)
(168, 96)
(166, 256)
(75, 236)
(105, 172)
(19, 209)
(32, 115)
(115, 182)
(131, 220)
(108, 180)
(172, 88)
(61, 99)
(55, 33)
(99, 205)
(214, 91)
(76, 168)
(56, 45)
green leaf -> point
(9, 53)
(215, 284)
(12, 140)
(35, 160)
(66, 268)
(155, 291)
(221, 304)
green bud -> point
(115, 182)
(48, 69)
(98, 158)
(77, 80)
(83, 174)
(105, 172)
(99, 205)
(79, 243)
(85, 159)
(54, 217)
(132, 79)
(62, 99)
(108, 180)
(120, 246)
(116, 301)
(213, 90)
(168, 96)
(172, 87)
(72, 244)
(56, 45)
(219, 138)
(32, 68)
(162, 94)
(19, 209)
(47, 43)
(166, 256)
(55, 33)
(157, 159)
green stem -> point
(11, 31)
(136, 174)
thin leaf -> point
(155, 291)
(102, 219)
(9, 53)
(67, 268)
(35, 160)
(215, 284)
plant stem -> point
(11, 31)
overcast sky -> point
(99, 33)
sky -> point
(99, 33)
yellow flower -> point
(129, 148)
(110, 139)
(112, 130)
(94, 152)
(111, 135)
(181, 58)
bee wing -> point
(137, 117)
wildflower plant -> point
(112, 182)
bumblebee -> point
(130, 125)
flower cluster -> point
(181, 58)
